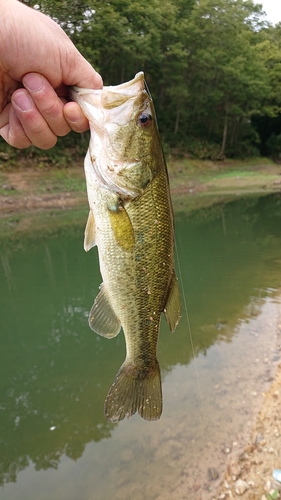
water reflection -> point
(55, 373)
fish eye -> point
(144, 120)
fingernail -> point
(22, 100)
(33, 82)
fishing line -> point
(205, 426)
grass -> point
(225, 175)
(63, 180)
(237, 174)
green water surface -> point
(55, 442)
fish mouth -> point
(108, 95)
(110, 112)
(130, 88)
(96, 104)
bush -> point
(204, 150)
(273, 145)
(243, 149)
(66, 153)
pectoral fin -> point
(172, 308)
(102, 318)
(122, 227)
(90, 233)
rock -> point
(259, 440)
(226, 450)
(267, 486)
(234, 470)
(196, 487)
(240, 486)
(212, 474)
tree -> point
(211, 65)
(226, 77)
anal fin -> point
(102, 318)
(172, 309)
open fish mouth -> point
(111, 111)
(107, 96)
(131, 87)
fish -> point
(131, 222)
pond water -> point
(55, 442)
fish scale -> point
(131, 222)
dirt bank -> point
(28, 190)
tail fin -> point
(135, 390)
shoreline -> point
(28, 189)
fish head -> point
(125, 147)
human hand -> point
(37, 63)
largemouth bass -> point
(131, 222)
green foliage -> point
(204, 150)
(274, 146)
(273, 496)
(68, 152)
(211, 65)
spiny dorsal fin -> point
(90, 233)
(102, 318)
(172, 309)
